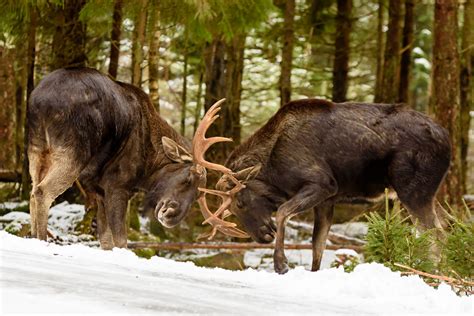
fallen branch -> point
(451, 281)
(229, 245)
(9, 176)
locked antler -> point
(200, 145)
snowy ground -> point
(41, 277)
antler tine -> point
(201, 144)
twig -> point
(437, 277)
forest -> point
(258, 55)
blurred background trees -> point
(258, 54)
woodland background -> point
(258, 54)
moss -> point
(145, 253)
(224, 260)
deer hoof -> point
(280, 264)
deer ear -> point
(248, 174)
(245, 175)
(174, 151)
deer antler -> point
(200, 145)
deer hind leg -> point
(55, 171)
(116, 212)
(416, 178)
(103, 228)
(322, 222)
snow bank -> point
(41, 277)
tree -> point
(115, 38)
(69, 39)
(391, 70)
(288, 39)
(342, 51)
(467, 83)
(138, 42)
(445, 89)
(380, 50)
(408, 39)
(153, 54)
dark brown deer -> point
(313, 153)
(107, 134)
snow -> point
(37, 277)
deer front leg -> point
(307, 197)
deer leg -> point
(103, 228)
(61, 173)
(307, 197)
(116, 211)
(34, 158)
(322, 222)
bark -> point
(214, 59)
(445, 90)
(405, 63)
(197, 113)
(115, 38)
(391, 72)
(342, 51)
(380, 50)
(287, 51)
(467, 85)
(154, 58)
(69, 39)
(7, 110)
(234, 73)
(138, 43)
(30, 84)
(184, 92)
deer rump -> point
(314, 153)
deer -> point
(107, 135)
(313, 154)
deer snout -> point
(266, 234)
(167, 211)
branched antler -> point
(200, 145)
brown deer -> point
(108, 135)
(314, 153)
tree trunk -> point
(287, 51)
(115, 38)
(184, 92)
(30, 84)
(7, 110)
(405, 63)
(138, 43)
(69, 39)
(214, 58)
(467, 84)
(380, 50)
(445, 90)
(234, 73)
(391, 72)
(154, 57)
(197, 113)
(342, 50)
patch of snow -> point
(351, 229)
(79, 279)
(64, 217)
(423, 62)
(346, 252)
(16, 216)
(13, 205)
